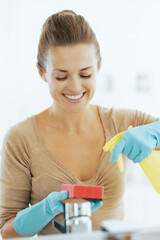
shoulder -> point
(118, 112)
(21, 134)
(119, 119)
(20, 129)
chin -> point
(76, 107)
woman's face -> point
(71, 73)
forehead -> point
(71, 57)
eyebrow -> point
(83, 69)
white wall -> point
(129, 36)
(128, 32)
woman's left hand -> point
(95, 205)
(138, 142)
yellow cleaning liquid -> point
(150, 165)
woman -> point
(63, 144)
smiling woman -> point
(63, 143)
(71, 73)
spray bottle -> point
(150, 165)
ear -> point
(41, 73)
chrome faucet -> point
(77, 213)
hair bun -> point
(62, 29)
(67, 12)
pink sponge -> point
(84, 191)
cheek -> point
(54, 89)
(92, 82)
(54, 85)
(51, 87)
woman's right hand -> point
(32, 220)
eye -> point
(83, 76)
(61, 78)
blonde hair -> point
(65, 28)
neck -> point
(71, 121)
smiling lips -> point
(74, 98)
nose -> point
(75, 84)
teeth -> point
(74, 97)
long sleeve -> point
(15, 179)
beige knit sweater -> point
(29, 172)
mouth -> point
(74, 98)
